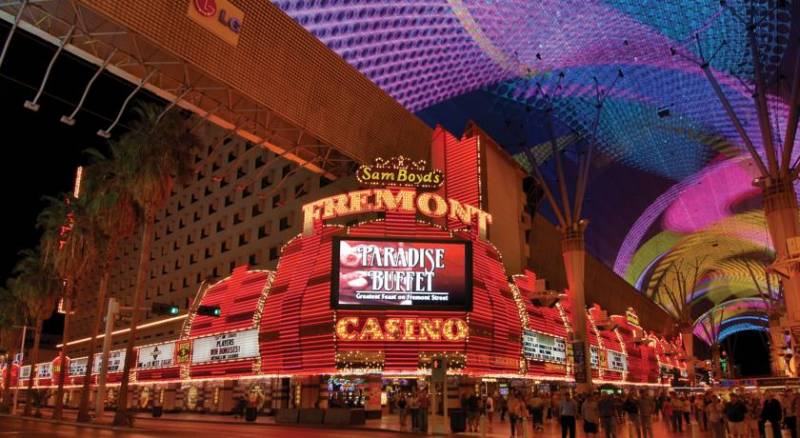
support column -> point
(780, 209)
(687, 336)
(573, 250)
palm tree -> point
(10, 324)
(37, 286)
(115, 215)
(69, 245)
(152, 159)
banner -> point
(183, 352)
(227, 346)
(155, 356)
(407, 274)
(116, 361)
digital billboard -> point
(382, 273)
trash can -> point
(458, 420)
(250, 414)
(157, 411)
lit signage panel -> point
(370, 273)
(44, 370)
(116, 360)
(543, 348)
(77, 367)
(617, 361)
(25, 372)
(155, 356)
(227, 346)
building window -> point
(263, 231)
(284, 223)
(285, 171)
(273, 253)
(242, 239)
(265, 182)
(252, 260)
(300, 190)
(276, 201)
(324, 181)
(256, 210)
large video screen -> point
(378, 273)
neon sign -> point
(428, 204)
(399, 172)
(351, 328)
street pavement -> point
(200, 426)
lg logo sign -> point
(209, 8)
(206, 8)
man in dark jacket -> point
(735, 412)
(771, 412)
(608, 415)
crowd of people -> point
(735, 415)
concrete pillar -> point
(687, 336)
(573, 250)
(780, 209)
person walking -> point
(413, 410)
(590, 411)
(568, 410)
(537, 412)
(736, 413)
(714, 413)
(515, 408)
(489, 408)
(503, 402)
(631, 408)
(608, 415)
(647, 407)
(790, 405)
(473, 412)
(666, 413)
(422, 412)
(699, 408)
(402, 404)
(771, 412)
(677, 415)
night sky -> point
(43, 154)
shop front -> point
(410, 297)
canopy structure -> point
(671, 187)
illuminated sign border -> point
(467, 307)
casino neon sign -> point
(428, 204)
(353, 328)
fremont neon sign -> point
(351, 328)
(428, 204)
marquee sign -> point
(545, 348)
(353, 328)
(617, 361)
(427, 204)
(227, 346)
(155, 356)
(399, 172)
(116, 360)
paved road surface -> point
(14, 427)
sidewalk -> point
(388, 423)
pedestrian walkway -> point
(391, 423)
